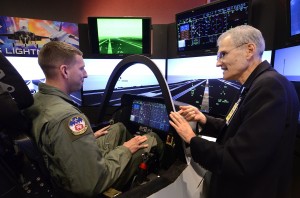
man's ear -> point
(251, 49)
(64, 71)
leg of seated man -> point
(132, 167)
(117, 135)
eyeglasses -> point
(222, 54)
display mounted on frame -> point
(25, 37)
(116, 37)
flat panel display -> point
(120, 36)
(137, 79)
(25, 37)
(294, 14)
(32, 74)
(286, 62)
(198, 82)
(152, 114)
(199, 28)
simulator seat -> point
(23, 173)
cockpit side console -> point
(142, 114)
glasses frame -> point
(222, 54)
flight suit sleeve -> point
(78, 164)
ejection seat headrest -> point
(12, 82)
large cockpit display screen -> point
(143, 114)
(150, 114)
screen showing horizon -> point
(137, 79)
(120, 36)
(286, 62)
(198, 82)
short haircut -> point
(245, 34)
(56, 53)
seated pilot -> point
(80, 161)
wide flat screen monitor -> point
(286, 62)
(32, 74)
(198, 82)
(137, 79)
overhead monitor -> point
(294, 20)
(120, 36)
(199, 28)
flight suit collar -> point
(50, 90)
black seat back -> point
(22, 170)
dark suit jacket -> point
(253, 154)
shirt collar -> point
(261, 68)
(50, 90)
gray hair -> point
(245, 34)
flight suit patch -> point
(77, 125)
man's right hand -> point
(191, 113)
(136, 143)
(101, 132)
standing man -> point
(79, 161)
(252, 156)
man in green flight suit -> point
(80, 161)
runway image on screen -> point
(120, 36)
(198, 82)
